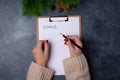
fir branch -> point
(33, 7)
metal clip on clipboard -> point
(58, 19)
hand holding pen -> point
(74, 44)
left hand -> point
(41, 52)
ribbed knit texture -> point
(37, 72)
(76, 68)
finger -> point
(46, 47)
(73, 37)
(76, 39)
(70, 45)
(34, 50)
(65, 40)
(40, 44)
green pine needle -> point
(33, 7)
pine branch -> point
(33, 7)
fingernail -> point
(65, 43)
(66, 39)
(46, 41)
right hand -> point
(74, 51)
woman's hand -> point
(74, 51)
(41, 52)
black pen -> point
(72, 42)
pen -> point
(72, 42)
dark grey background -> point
(101, 30)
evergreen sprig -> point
(33, 7)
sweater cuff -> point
(37, 72)
(76, 64)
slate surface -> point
(101, 30)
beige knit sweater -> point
(76, 68)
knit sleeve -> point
(76, 68)
(37, 72)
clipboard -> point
(49, 28)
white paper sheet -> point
(51, 31)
